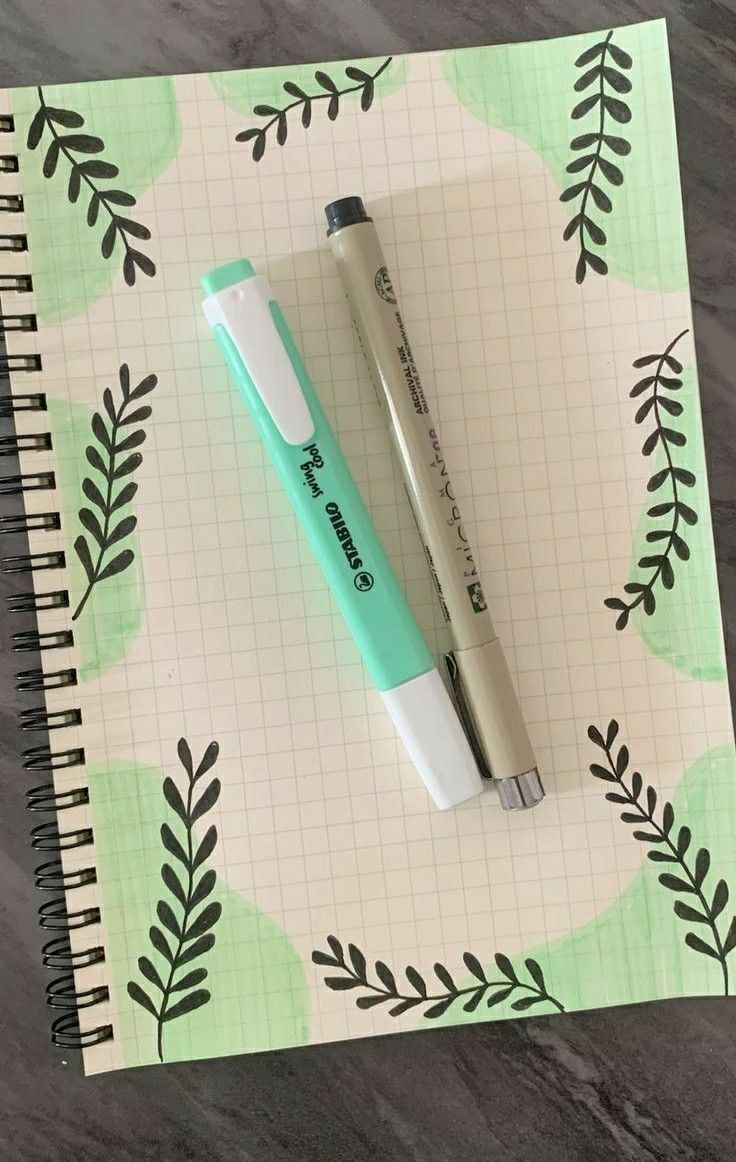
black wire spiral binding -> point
(52, 836)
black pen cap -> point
(345, 212)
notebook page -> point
(329, 873)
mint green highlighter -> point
(254, 338)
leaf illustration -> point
(387, 978)
(589, 55)
(86, 171)
(136, 993)
(118, 565)
(502, 995)
(720, 898)
(524, 1003)
(114, 438)
(208, 760)
(368, 1002)
(92, 492)
(203, 889)
(171, 843)
(357, 960)
(386, 990)
(173, 883)
(473, 965)
(602, 77)
(504, 965)
(167, 918)
(194, 951)
(210, 796)
(189, 929)
(160, 943)
(685, 912)
(148, 970)
(675, 883)
(535, 973)
(195, 977)
(206, 919)
(187, 1004)
(185, 757)
(122, 529)
(82, 551)
(622, 59)
(444, 977)
(323, 958)
(699, 945)
(415, 979)
(329, 90)
(336, 948)
(439, 1008)
(691, 874)
(342, 982)
(471, 1005)
(206, 847)
(678, 514)
(402, 1007)
(172, 795)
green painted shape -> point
(114, 612)
(527, 90)
(685, 628)
(139, 124)
(634, 950)
(241, 89)
(260, 998)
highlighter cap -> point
(227, 275)
(429, 727)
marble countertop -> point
(652, 1081)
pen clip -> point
(246, 312)
(465, 716)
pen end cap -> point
(345, 212)
(520, 792)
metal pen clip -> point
(516, 792)
(465, 716)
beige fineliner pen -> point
(477, 665)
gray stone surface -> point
(651, 1081)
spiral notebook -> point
(234, 852)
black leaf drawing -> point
(666, 538)
(328, 90)
(592, 164)
(190, 930)
(419, 994)
(77, 150)
(114, 459)
(671, 845)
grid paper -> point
(323, 825)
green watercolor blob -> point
(685, 628)
(260, 998)
(527, 90)
(113, 614)
(241, 89)
(635, 949)
(139, 124)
